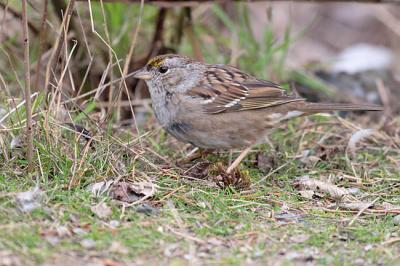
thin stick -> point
(42, 42)
(28, 104)
(238, 160)
(363, 210)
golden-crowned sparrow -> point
(220, 106)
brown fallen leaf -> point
(122, 191)
(144, 188)
(126, 192)
(307, 183)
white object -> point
(362, 57)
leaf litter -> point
(343, 198)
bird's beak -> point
(142, 74)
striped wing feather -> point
(227, 89)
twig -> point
(384, 94)
(28, 104)
(41, 44)
(391, 241)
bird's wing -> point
(227, 89)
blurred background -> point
(325, 52)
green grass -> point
(222, 226)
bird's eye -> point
(163, 69)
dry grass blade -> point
(357, 137)
(58, 44)
(363, 210)
(126, 67)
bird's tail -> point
(328, 107)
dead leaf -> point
(29, 200)
(102, 210)
(307, 183)
(199, 170)
(100, 188)
(123, 191)
(144, 188)
(308, 194)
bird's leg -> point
(237, 161)
(194, 155)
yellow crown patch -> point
(157, 61)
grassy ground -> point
(182, 216)
(190, 219)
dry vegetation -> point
(104, 187)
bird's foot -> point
(192, 156)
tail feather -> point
(327, 107)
